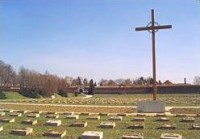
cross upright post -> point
(153, 27)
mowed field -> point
(111, 100)
(110, 104)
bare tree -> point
(7, 75)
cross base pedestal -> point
(151, 106)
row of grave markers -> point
(88, 134)
(71, 115)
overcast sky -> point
(96, 38)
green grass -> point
(11, 95)
(150, 130)
(109, 99)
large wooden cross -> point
(153, 27)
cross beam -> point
(153, 27)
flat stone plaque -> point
(16, 114)
(188, 119)
(94, 117)
(137, 126)
(140, 115)
(8, 110)
(22, 132)
(181, 115)
(196, 126)
(33, 115)
(161, 115)
(85, 113)
(53, 122)
(72, 117)
(54, 116)
(21, 111)
(168, 126)
(151, 106)
(79, 124)
(116, 118)
(107, 124)
(163, 119)
(92, 135)
(12, 120)
(103, 114)
(170, 136)
(139, 119)
(37, 112)
(54, 134)
(122, 114)
(1, 128)
(29, 122)
(52, 112)
(133, 136)
(68, 113)
(2, 113)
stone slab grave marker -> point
(1, 128)
(181, 115)
(68, 113)
(170, 136)
(140, 114)
(51, 112)
(92, 135)
(85, 113)
(116, 118)
(37, 112)
(162, 119)
(54, 134)
(53, 122)
(188, 119)
(133, 136)
(168, 126)
(94, 117)
(2, 113)
(54, 116)
(103, 114)
(15, 114)
(122, 114)
(161, 115)
(22, 132)
(72, 117)
(33, 115)
(29, 122)
(154, 106)
(196, 126)
(8, 110)
(79, 124)
(107, 124)
(6, 120)
(22, 111)
(137, 126)
(139, 119)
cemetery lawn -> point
(11, 95)
(109, 99)
(149, 132)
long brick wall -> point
(145, 89)
(163, 89)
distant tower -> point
(185, 81)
